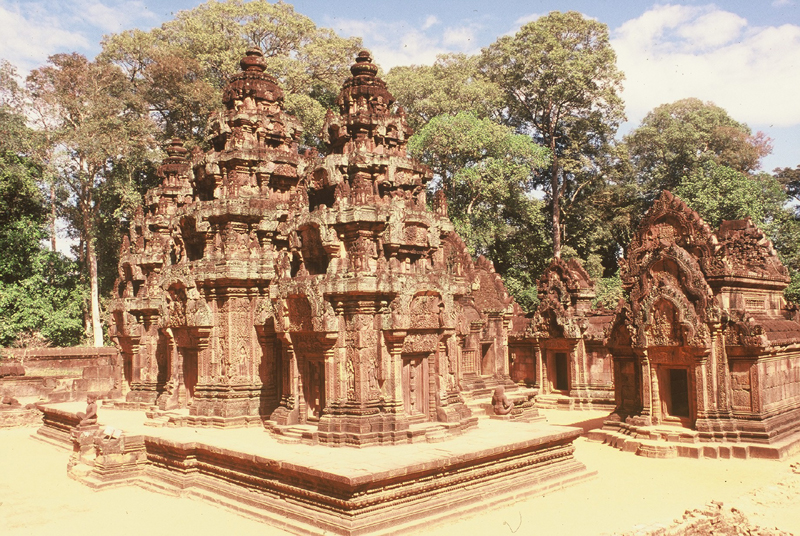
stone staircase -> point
(665, 441)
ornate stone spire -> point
(252, 83)
(367, 122)
(255, 143)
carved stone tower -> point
(264, 285)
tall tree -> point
(719, 192)
(181, 67)
(675, 140)
(486, 172)
(451, 85)
(561, 84)
(40, 294)
(790, 180)
(97, 123)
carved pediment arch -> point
(667, 318)
(426, 311)
(669, 222)
(673, 267)
(457, 258)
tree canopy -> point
(675, 140)
(40, 294)
(487, 173)
(453, 84)
(561, 86)
(181, 67)
(103, 138)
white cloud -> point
(115, 17)
(522, 21)
(398, 43)
(32, 31)
(781, 3)
(462, 38)
(29, 38)
(713, 29)
(673, 52)
(525, 19)
(431, 20)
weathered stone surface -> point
(560, 349)
(705, 340)
(35, 375)
(261, 283)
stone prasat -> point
(261, 283)
(325, 301)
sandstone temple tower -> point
(266, 284)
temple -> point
(262, 284)
(705, 345)
(314, 302)
(560, 350)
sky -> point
(741, 55)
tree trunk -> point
(556, 193)
(91, 259)
(53, 217)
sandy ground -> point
(630, 495)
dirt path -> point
(630, 495)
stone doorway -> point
(557, 364)
(561, 380)
(487, 359)
(189, 357)
(415, 388)
(314, 389)
(673, 390)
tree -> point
(561, 84)
(181, 67)
(451, 85)
(718, 192)
(97, 124)
(675, 140)
(486, 172)
(790, 180)
(40, 294)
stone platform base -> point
(556, 401)
(14, 417)
(314, 489)
(675, 441)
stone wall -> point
(780, 382)
(60, 374)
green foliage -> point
(609, 292)
(718, 192)
(100, 134)
(486, 172)
(675, 139)
(181, 67)
(43, 306)
(451, 85)
(792, 292)
(40, 297)
(561, 86)
(790, 180)
(523, 287)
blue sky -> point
(743, 56)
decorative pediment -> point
(745, 251)
(667, 224)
